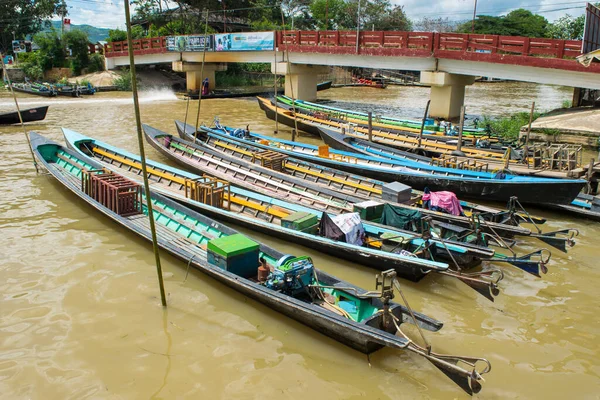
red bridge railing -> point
(539, 52)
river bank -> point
(578, 126)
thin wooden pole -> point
(18, 112)
(370, 114)
(526, 147)
(295, 130)
(201, 76)
(138, 122)
(187, 107)
(423, 123)
(275, 94)
(460, 129)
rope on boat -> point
(19, 112)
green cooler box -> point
(236, 253)
(301, 221)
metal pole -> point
(18, 111)
(526, 147)
(370, 114)
(474, 16)
(138, 122)
(357, 25)
(201, 77)
(423, 123)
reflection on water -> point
(81, 317)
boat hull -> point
(29, 115)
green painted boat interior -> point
(201, 233)
(357, 309)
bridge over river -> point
(447, 61)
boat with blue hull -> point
(470, 184)
(257, 178)
(272, 216)
(364, 321)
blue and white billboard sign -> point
(250, 41)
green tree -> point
(51, 51)
(21, 18)
(519, 22)
(116, 35)
(77, 42)
(567, 27)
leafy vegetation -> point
(22, 18)
(124, 81)
(94, 34)
(96, 63)
(508, 127)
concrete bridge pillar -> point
(194, 75)
(447, 93)
(300, 79)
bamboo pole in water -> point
(138, 122)
(201, 75)
(423, 123)
(18, 112)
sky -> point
(110, 13)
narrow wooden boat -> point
(465, 184)
(430, 145)
(403, 122)
(66, 90)
(269, 215)
(355, 145)
(28, 115)
(38, 90)
(450, 136)
(292, 287)
(584, 206)
(270, 183)
(187, 154)
(488, 220)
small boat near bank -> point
(35, 89)
(292, 282)
(28, 115)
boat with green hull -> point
(282, 219)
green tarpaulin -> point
(399, 217)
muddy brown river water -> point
(80, 315)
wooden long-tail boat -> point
(34, 88)
(187, 154)
(268, 215)
(465, 184)
(28, 115)
(270, 183)
(292, 287)
(492, 222)
(429, 145)
(392, 121)
(469, 138)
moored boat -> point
(28, 115)
(35, 89)
(464, 183)
(292, 286)
(282, 219)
